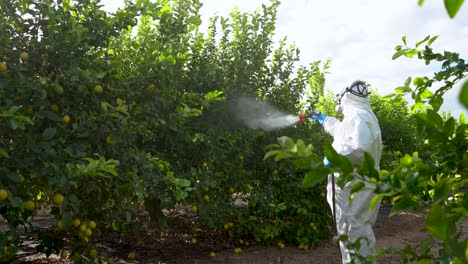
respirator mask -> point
(358, 88)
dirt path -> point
(397, 230)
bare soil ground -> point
(174, 246)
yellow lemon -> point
(92, 224)
(131, 255)
(3, 67)
(55, 108)
(76, 222)
(150, 86)
(66, 119)
(93, 253)
(60, 224)
(29, 205)
(58, 89)
(88, 232)
(3, 194)
(24, 56)
(98, 88)
(58, 199)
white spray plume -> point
(257, 114)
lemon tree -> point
(103, 114)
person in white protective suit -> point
(357, 133)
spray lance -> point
(318, 116)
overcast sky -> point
(359, 36)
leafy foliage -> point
(123, 112)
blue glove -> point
(317, 116)
(326, 162)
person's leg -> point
(354, 220)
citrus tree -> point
(104, 115)
(78, 130)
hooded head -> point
(354, 96)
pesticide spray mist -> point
(257, 114)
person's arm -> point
(330, 124)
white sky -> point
(359, 36)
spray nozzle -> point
(304, 116)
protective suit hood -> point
(351, 103)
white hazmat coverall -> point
(359, 132)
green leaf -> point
(301, 147)
(437, 102)
(403, 89)
(437, 222)
(306, 163)
(314, 177)
(49, 133)
(419, 81)
(462, 119)
(432, 40)
(463, 97)
(404, 203)
(422, 41)
(452, 7)
(215, 95)
(357, 187)
(435, 119)
(412, 183)
(271, 153)
(105, 106)
(404, 39)
(375, 201)
(411, 52)
(449, 127)
(336, 159)
(67, 218)
(181, 194)
(368, 166)
(286, 142)
(13, 176)
(407, 82)
(4, 153)
(441, 190)
(426, 94)
(420, 2)
(399, 53)
(282, 155)
(16, 202)
(195, 20)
